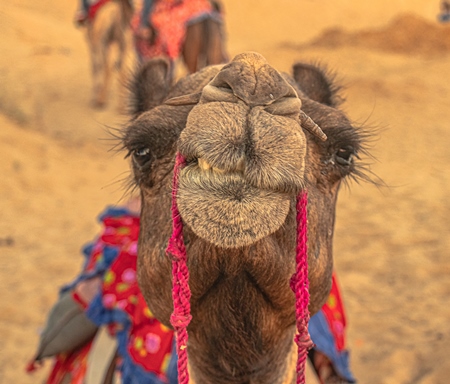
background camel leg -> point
(214, 47)
(192, 46)
(124, 66)
(100, 75)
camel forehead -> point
(253, 80)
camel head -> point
(251, 144)
(245, 149)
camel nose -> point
(253, 80)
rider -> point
(444, 16)
(145, 30)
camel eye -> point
(344, 156)
(141, 156)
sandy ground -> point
(391, 244)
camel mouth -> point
(221, 207)
(205, 166)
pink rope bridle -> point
(181, 293)
(300, 286)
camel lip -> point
(201, 173)
(227, 211)
(272, 176)
(213, 178)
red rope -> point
(181, 293)
(300, 286)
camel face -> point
(250, 149)
(246, 154)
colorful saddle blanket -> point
(144, 344)
(327, 330)
(170, 19)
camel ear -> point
(315, 84)
(150, 86)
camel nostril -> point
(225, 87)
(222, 92)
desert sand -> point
(59, 169)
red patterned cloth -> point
(327, 329)
(144, 344)
(149, 342)
(73, 364)
(169, 18)
(335, 315)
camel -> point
(203, 45)
(246, 133)
(111, 25)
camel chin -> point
(225, 210)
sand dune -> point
(406, 34)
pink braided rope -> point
(300, 286)
(181, 293)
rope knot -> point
(180, 320)
(174, 250)
(303, 340)
(295, 283)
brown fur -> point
(204, 45)
(238, 125)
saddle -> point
(170, 20)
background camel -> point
(240, 128)
(204, 44)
